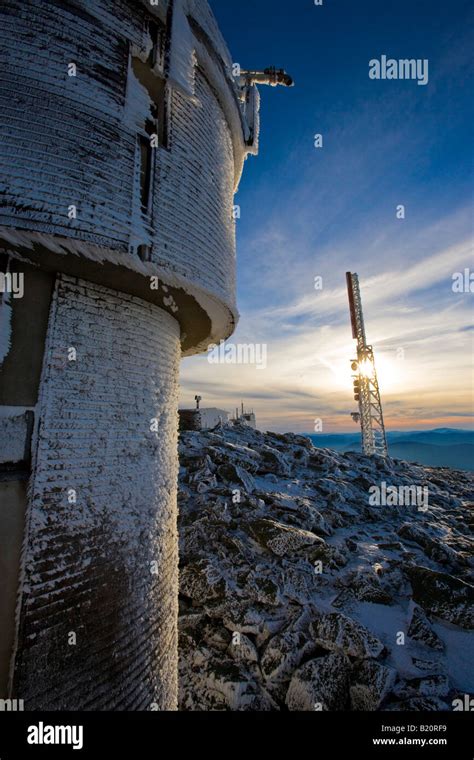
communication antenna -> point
(366, 386)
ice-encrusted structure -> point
(296, 592)
(123, 142)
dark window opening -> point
(146, 159)
(3, 262)
(150, 127)
(157, 89)
(29, 323)
(144, 252)
(150, 74)
(153, 132)
(3, 270)
(157, 35)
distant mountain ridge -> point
(442, 447)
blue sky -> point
(309, 212)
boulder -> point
(232, 473)
(371, 683)
(336, 632)
(263, 588)
(201, 581)
(281, 657)
(320, 684)
(429, 686)
(367, 587)
(443, 595)
(242, 649)
(420, 630)
(274, 461)
(281, 539)
(224, 684)
(435, 549)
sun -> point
(389, 372)
(366, 368)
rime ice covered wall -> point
(64, 141)
(72, 140)
(104, 567)
(195, 185)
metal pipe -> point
(271, 76)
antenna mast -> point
(366, 387)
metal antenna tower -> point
(366, 387)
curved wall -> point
(73, 150)
(97, 626)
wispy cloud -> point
(323, 212)
(415, 321)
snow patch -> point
(459, 654)
(182, 59)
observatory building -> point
(124, 134)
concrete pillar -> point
(99, 586)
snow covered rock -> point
(202, 581)
(321, 685)
(281, 657)
(420, 630)
(275, 461)
(371, 683)
(234, 474)
(443, 595)
(282, 539)
(337, 632)
(435, 548)
(242, 649)
(431, 686)
(289, 573)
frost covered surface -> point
(388, 623)
(182, 59)
(252, 117)
(13, 436)
(100, 548)
(86, 156)
(222, 319)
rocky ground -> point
(297, 593)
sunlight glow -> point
(366, 368)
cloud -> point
(410, 308)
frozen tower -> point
(366, 384)
(124, 133)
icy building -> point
(202, 419)
(245, 418)
(123, 139)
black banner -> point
(62, 735)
